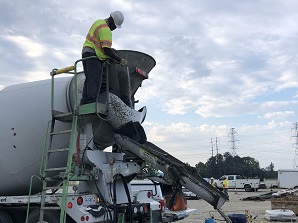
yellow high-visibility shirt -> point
(225, 183)
(214, 184)
(99, 36)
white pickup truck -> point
(144, 190)
(239, 182)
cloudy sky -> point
(221, 64)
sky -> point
(220, 65)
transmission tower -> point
(233, 141)
(216, 147)
(295, 144)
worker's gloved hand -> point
(123, 62)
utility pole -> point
(211, 147)
(295, 163)
(216, 146)
(214, 165)
(232, 141)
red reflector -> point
(145, 208)
(79, 200)
(149, 194)
(143, 73)
(87, 218)
(82, 218)
(69, 205)
(162, 205)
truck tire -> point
(4, 217)
(49, 216)
(17, 215)
(247, 188)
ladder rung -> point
(50, 208)
(53, 187)
(54, 178)
(58, 150)
(61, 132)
(63, 115)
(55, 169)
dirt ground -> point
(234, 206)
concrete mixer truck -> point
(48, 140)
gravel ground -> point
(234, 206)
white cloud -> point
(278, 115)
(178, 106)
(218, 63)
(30, 47)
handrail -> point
(68, 70)
(29, 196)
(41, 169)
(62, 70)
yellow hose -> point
(64, 70)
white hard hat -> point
(212, 178)
(118, 18)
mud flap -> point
(178, 202)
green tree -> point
(270, 167)
(227, 164)
(219, 164)
(251, 167)
(202, 169)
(269, 172)
(211, 166)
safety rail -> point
(68, 70)
(63, 181)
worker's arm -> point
(112, 54)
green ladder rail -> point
(49, 177)
(66, 173)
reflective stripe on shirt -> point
(95, 40)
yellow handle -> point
(64, 70)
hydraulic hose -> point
(127, 194)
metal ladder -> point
(70, 171)
(50, 179)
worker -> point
(98, 43)
(225, 185)
(212, 182)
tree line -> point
(226, 164)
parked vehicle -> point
(142, 190)
(239, 182)
(148, 189)
(189, 194)
(262, 185)
(287, 178)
